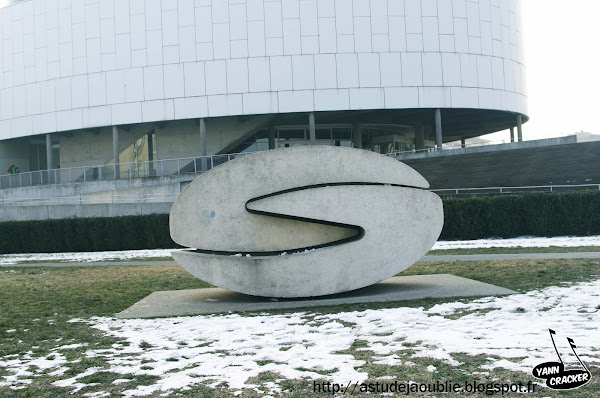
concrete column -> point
(520, 127)
(151, 168)
(357, 136)
(203, 150)
(438, 129)
(202, 137)
(312, 128)
(420, 137)
(463, 143)
(116, 151)
(48, 151)
(512, 134)
(272, 138)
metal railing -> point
(455, 146)
(112, 198)
(121, 171)
(445, 147)
(156, 168)
(513, 190)
(92, 199)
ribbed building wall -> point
(68, 65)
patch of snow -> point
(11, 330)
(8, 259)
(121, 381)
(59, 372)
(69, 346)
(229, 350)
(72, 382)
(390, 360)
(431, 368)
(97, 394)
(524, 241)
(48, 362)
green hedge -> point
(86, 234)
(508, 216)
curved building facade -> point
(85, 82)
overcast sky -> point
(562, 55)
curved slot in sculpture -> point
(305, 222)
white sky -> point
(562, 56)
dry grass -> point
(39, 301)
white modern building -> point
(85, 82)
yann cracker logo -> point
(557, 378)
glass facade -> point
(137, 160)
(382, 139)
(325, 135)
(37, 156)
(386, 139)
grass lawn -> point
(38, 302)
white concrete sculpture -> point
(305, 221)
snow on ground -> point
(7, 259)
(511, 331)
(526, 241)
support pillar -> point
(420, 137)
(116, 151)
(312, 128)
(438, 129)
(49, 156)
(520, 127)
(463, 143)
(203, 150)
(49, 160)
(357, 136)
(272, 138)
(512, 134)
(151, 168)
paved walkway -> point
(426, 259)
(501, 257)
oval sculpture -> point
(305, 221)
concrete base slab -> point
(216, 300)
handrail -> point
(101, 199)
(112, 198)
(120, 171)
(146, 169)
(511, 190)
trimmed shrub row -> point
(86, 234)
(539, 214)
(509, 216)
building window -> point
(386, 139)
(138, 159)
(382, 139)
(37, 156)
